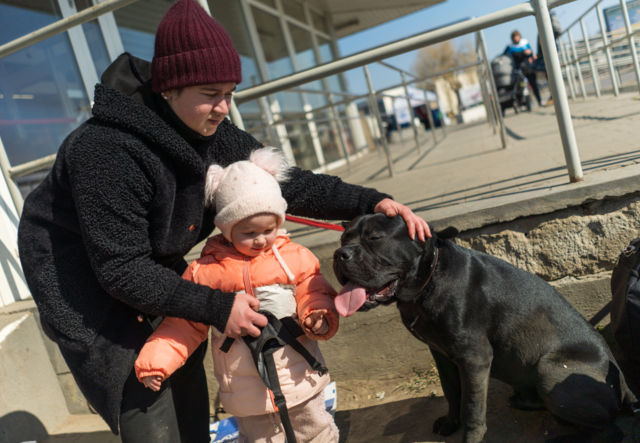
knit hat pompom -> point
(247, 188)
(272, 161)
(212, 183)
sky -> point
(447, 12)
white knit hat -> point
(247, 188)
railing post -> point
(16, 196)
(432, 124)
(605, 42)
(578, 69)
(341, 135)
(483, 89)
(395, 114)
(268, 118)
(236, 118)
(411, 113)
(632, 42)
(376, 112)
(567, 69)
(556, 84)
(494, 90)
(594, 70)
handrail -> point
(62, 25)
(385, 51)
(603, 48)
(576, 21)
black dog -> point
(481, 318)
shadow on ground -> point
(410, 421)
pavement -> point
(468, 172)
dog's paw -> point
(445, 426)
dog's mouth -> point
(353, 297)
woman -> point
(102, 239)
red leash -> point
(315, 224)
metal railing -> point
(537, 8)
(578, 52)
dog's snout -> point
(343, 254)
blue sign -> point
(615, 21)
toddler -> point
(253, 256)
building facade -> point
(46, 90)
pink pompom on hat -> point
(247, 188)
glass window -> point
(302, 146)
(327, 135)
(268, 3)
(42, 96)
(273, 44)
(326, 53)
(137, 25)
(305, 59)
(229, 14)
(319, 22)
(95, 40)
(294, 9)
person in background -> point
(521, 51)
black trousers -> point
(177, 413)
(533, 81)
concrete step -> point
(85, 428)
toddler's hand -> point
(317, 323)
(152, 382)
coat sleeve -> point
(314, 292)
(112, 192)
(318, 196)
(169, 346)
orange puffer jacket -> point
(286, 285)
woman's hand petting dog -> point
(415, 224)
(316, 323)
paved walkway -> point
(467, 171)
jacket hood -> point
(124, 99)
(220, 248)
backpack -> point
(625, 302)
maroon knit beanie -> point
(192, 49)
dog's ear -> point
(345, 224)
(448, 233)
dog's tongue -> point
(350, 299)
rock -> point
(573, 242)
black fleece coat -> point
(102, 239)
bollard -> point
(432, 124)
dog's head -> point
(379, 263)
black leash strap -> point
(277, 334)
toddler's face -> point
(255, 235)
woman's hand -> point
(317, 323)
(415, 224)
(152, 382)
(243, 318)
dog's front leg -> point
(450, 381)
(474, 376)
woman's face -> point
(202, 108)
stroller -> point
(512, 83)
